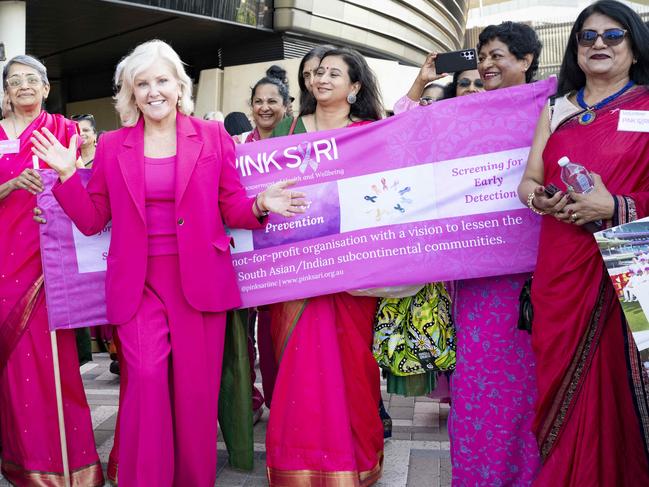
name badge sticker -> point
(633, 121)
(9, 146)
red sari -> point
(31, 453)
(592, 422)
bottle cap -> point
(564, 161)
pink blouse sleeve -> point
(404, 104)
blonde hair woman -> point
(168, 182)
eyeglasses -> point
(466, 82)
(610, 37)
(16, 81)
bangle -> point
(259, 210)
(530, 205)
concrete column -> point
(13, 27)
(209, 92)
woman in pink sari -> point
(592, 418)
(493, 387)
(324, 427)
(31, 452)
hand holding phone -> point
(452, 62)
(550, 190)
(591, 227)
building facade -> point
(226, 44)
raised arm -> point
(88, 208)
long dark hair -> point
(521, 40)
(368, 105)
(571, 77)
(306, 98)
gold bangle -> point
(530, 205)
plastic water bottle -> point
(575, 176)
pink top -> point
(160, 183)
(404, 104)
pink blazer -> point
(208, 192)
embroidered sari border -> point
(112, 471)
(639, 384)
(16, 322)
(291, 326)
(563, 403)
(86, 476)
(309, 478)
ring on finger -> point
(574, 217)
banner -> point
(428, 195)
(74, 266)
(625, 250)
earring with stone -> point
(351, 98)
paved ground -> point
(416, 456)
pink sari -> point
(324, 427)
(592, 418)
(31, 453)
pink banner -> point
(74, 265)
(428, 195)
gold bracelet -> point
(530, 205)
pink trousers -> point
(171, 372)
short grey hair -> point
(26, 60)
(140, 59)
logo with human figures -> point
(387, 198)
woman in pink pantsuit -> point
(168, 182)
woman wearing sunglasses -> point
(592, 421)
(464, 83)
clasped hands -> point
(575, 208)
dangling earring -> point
(351, 98)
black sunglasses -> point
(466, 82)
(610, 37)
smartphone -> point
(451, 62)
(591, 227)
(550, 190)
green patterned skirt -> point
(414, 339)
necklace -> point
(315, 122)
(589, 115)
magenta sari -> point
(324, 427)
(592, 418)
(31, 452)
